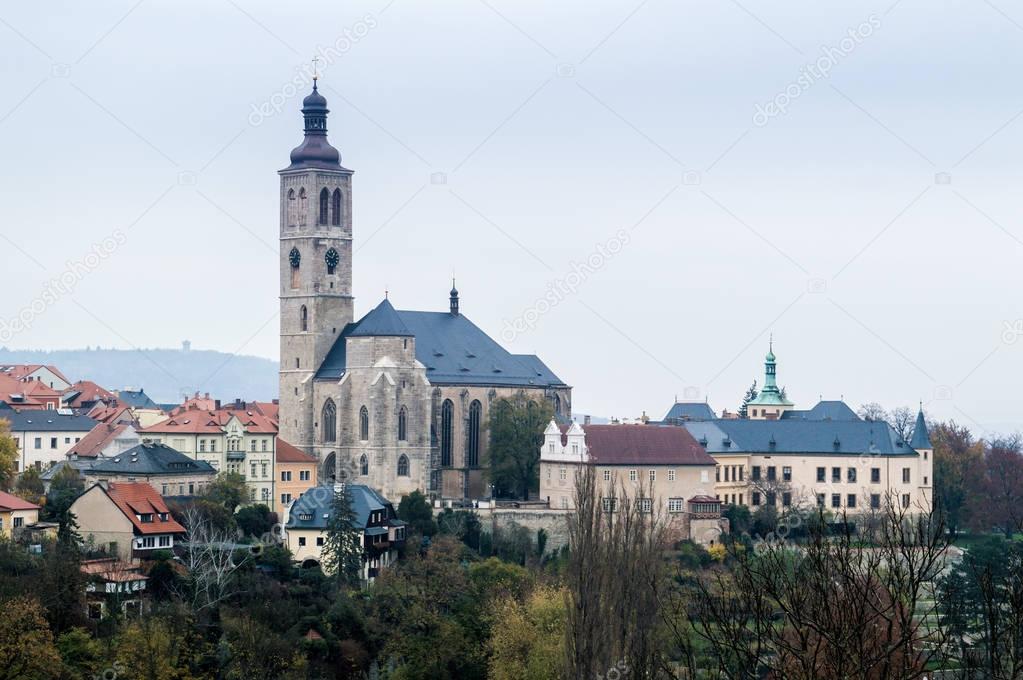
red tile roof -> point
(93, 443)
(200, 421)
(286, 453)
(21, 370)
(88, 391)
(115, 412)
(643, 445)
(134, 498)
(11, 502)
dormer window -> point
(146, 518)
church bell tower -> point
(315, 265)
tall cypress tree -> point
(342, 546)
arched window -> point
(364, 424)
(301, 206)
(304, 318)
(290, 208)
(403, 424)
(330, 467)
(475, 414)
(557, 405)
(335, 208)
(295, 259)
(329, 422)
(403, 465)
(364, 465)
(324, 200)
(447, 417)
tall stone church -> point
(399, 399)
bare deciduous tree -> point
(211, 560)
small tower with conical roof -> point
(315, 265)
(770, 404)
(921, 443)
(454, 299)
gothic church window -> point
(403, 465)
(364, 465)
(403, 424)
(364, 424)
(301, 207)
(324, 200)
(329, 420)
(475, 414)
(447, 416)
(304, 316)
(335, 208)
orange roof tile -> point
(132, 496)
(287, 453)
(97, 439)
(11, 502)
(201, 421)
(88, 391)
(21, 370)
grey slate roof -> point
(690, 410)
(136, 399)
(382, 321)
(150, 459)
(802, 437)
(921, 439)
(317, 504)
(453, 349)
(42, 420)
(824, 410)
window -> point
(263, 447)
(403, 465)
(653, 475)
(820, 474)
(324, 202)
(875, 475)
(755, 498)
(475, 414)
(447, 416)
(53, 442)
(286, 476)
(303, 475)
(905, 475)
(850, 501)
(252, 471)
(163, 492)
(728, 473)
(301, 541)
(564, 502)
(704, 476)
(67, 440)
(252, 445)
(676, 505)
(905, 500)
(148, 542)
(39, 442)
(607, 475)
(836, 500)
(646, 505)
(146, 518)
(19, 522)
(786, 499)
(820, 500)
(875, 500)
(770, 498)
(786, 473)
(402, 424)
(717, 473)
(285, 498)
(335, 208)
(836, 474)
(263, 470)
(328, 431)
(671, 475)
(771, 473)
(213, 446)
(850, 475)
(319, 540)
(291, 207)
(755, 473)
(609, 504)
(165, 541)
(562, 473)
(633, 475)
(303, 316)
(364, 465)
(742, 473)
(364, 424)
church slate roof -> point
(454, 350)
(690, 410)
(824, 410)
(381, 322)
(803, 437)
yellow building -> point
(16, 513)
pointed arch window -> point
(403, 424)
(335, 208)
(475, 415)
(364, 424)
(364, 465)
(301, 206)
(447, 418)
(329, 421)
(403, 465)
(290, 208)
(304, 317)
(324, 200)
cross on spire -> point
(316, 72)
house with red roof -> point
(663, 469)
(86, 394)
(16, 513)
(296, 472)
(129, 518)
(46, 374)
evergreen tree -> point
(751, 394)
(342, 547)
(65, 583)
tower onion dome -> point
(315, 151)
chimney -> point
(586, 420)
(216, 403)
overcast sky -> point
(845, 175)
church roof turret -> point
(315, 151)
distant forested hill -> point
(165, 374)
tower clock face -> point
(332, 258)
(294, 257)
